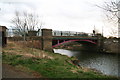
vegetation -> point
(25, 22)
(112, 10)
(49, 65)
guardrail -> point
(70, 33)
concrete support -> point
(47, 40)
(100, 43)
(3, 39)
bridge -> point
(50, 39)
(58, 40)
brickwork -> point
(32, 33)
(47, 39)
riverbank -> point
(47, 64)
(74, 46)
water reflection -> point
(106, 63)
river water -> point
(105, 63)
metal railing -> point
(70, 33)
(15, 32)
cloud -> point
(73, 15)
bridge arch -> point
(89, 41)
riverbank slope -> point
(47, 64)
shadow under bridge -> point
(86, 41)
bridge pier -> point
(47, 40)
(100, 43)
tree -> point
(112, 9)
(25, 22)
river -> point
(105, 63)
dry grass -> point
(19, 48)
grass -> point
(50, 66)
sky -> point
(62, 15)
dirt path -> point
(9, 71)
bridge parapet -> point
(74, 37)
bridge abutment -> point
(100, 43)
(47, 40)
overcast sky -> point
(65, 15)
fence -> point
(70, 33)
(14, 32)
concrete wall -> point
(100, 42)
(34, 41)
(43, 42)
(32, 33)
(27, 38)
(111, 46)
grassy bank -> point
(49, 65)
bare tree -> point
(112, 9)
(25, 22)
